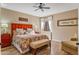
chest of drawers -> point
(5, 40)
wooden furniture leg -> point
(34, 51)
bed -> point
(22, 40)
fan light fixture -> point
(41, 6)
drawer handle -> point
(0, 43)
(77, 43)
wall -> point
(65, 32)
(10, 16)
(58, 33)
(78, 30)
(0, 27)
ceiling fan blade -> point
(46, 7)
(36, 9)
(35, 6)
(42, 4)
(42, 10)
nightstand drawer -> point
(5, 40)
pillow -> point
(74, 39)
(32, 32)
(29, 30)
(24, 44)
(20, 31)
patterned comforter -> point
(22, 42)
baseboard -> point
(56, 40)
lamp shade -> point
(4, 25)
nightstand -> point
(5, 40)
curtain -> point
(46, 24)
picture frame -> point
(23, 19)
(68, 22)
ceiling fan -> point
(41, 6)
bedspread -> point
(22, 42)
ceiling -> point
(29, 9)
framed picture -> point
(68, 22)
(23, 19)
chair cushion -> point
(70, 44)
(39, 43)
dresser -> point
(5, 40)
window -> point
(46, 24)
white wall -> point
(0, 27)
(78, 30)
(9, 16)
(66, 32)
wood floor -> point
(55, 50)
(11, 50)
(0, 49)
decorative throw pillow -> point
(24, 44)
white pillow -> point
(20, 31)
(30, 31)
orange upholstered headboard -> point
(14, 26)
(23, 26)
